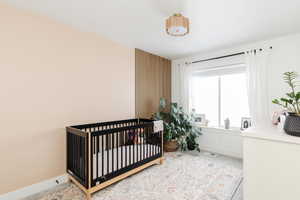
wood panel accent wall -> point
(152, 81)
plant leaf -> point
(298, 96)
(275, 101)
(284, 100)
(162, 103)
(291, 95)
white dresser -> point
(271, 165)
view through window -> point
(220, 96)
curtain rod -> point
(226, 56)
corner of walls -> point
(132, 83)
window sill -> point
(234, 130)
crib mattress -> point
(138, 152)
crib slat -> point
(97, 155)
(125, 132)
(117, 150)
(149, 143)
(112, 151)
(83, 158)
(107, 154)
(138, 145)
(92, 156)
(80, 157)
(76, 155)
(133, 146)
(161, 145)
(72, 151)
(144, 144)
(75, 158)
(154, 147)
(122, 149)
(148, 146)
(129, 149)
(151, 148)
(102, 154)
(140, 137)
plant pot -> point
(292, 124)
(171, 146)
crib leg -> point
(161, 161)
(88, 196)
(69, 181)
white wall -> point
(285, 57)
(222, 141)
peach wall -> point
(52, 76)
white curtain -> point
(257, 77)
(182, 73)
(184, 94)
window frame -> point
(219, 72)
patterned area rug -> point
(183, 176)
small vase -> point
(171, 146)
(292, 124)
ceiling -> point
(140, 23)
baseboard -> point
(35, 188)
(221, 152)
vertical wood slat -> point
(153, 74)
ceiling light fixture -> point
(177, 25)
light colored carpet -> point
(183, 176)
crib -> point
(101, 154)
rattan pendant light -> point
(177, 25)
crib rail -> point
(109, 125)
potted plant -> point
(179, 129)
(292, 104)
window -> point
(220, 94)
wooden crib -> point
(101, 154)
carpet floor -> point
(183, 176)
